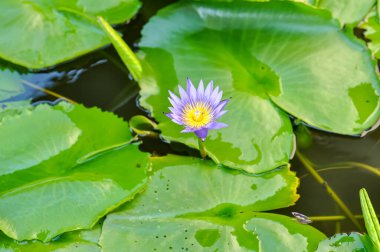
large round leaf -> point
(259, 136)
(42, 33)
(20, 149)
(196, 205)
(262, 54)
(60, 181)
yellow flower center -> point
(197, 115)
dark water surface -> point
(100, 79)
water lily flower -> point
(198, 109)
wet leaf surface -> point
(192, 205)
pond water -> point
(100, 79)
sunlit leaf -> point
(40, 33)
(270, 57)
(20, 149)
(195, 205)
(347, 11)
(62, 177)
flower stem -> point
(373, 170)
(334, 217)
(202, 149)
(307, 164)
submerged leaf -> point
(47, 187)
(269, 57)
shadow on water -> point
(100, 79)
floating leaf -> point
(346, 242)
(347, 11)
(56, 30)
(196, 205)
(60, 181)
(15, 154)
(81, 241)
(10, 84)
(270, 57)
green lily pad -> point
(346, 242)
(270, 57)
(79, 241)
(347, 11)
(39, 34)
(10, 84)
(196, 205)
(63, 178)
(16, 155)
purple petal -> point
(209, 89)
(175, 99)
(173, 103)
(191, 96)
(174, 118)
(184, 97)
(175, 111)
(187, 130)
(215, 96)
(221, 106)
(202, 133)
(218, 97)
(200, 91)
(219, 114)
(191, 92)
(216, 125)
